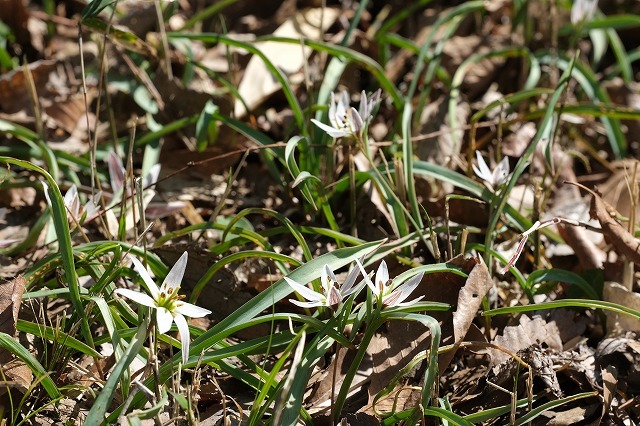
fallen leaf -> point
(619, 323)
(529, 332)
(621, 239)
(10, 298)
(19, 373)
(258, 81)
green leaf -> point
(94, 8)
(95, 417)
(206, 128)
(10, 344)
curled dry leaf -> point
(619, 323)
(10, 298)
(13, 369)
(621, 239)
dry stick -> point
(334, 378)
(627, 277)
(143, 78)
(31, 88)
(93, 141)
(163, 36)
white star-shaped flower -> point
(389, 293)
(332, 292)
(77, 212)
(166, 301)
(492, 179)
(345, 120)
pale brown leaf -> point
(10, 298)
(621, 239)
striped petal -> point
(192, 311)
(164, 320)
(136, 296)
(185, 338)
(144, 274)
(174, 277)
(305, 291)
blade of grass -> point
(9, 344)
(61, 224)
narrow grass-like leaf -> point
(257, 409)
(621, 55)
(61, 225)
(251, 47)
(552, 404)
(566, 303)
(54, 335)
(282, 218)
(542, 275)
(96, 415)
(9, 344)
(592, 87)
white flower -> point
(583, 11)
(166, 301)
(77, 212)
(333, 293)
(152, 210)
(493, 179)
(389, 293)
(345, 120)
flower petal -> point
(501, 172)
(304, 291)
(152, 176)
(356, 121)
(72, 202)
(328, 278)
(164, 318)
(174, 277)
(482, 171)
(371, 285)
(192, 311)
(116, 172)
(407, 288)
(382, 276)
(331, 131)
(334, 297)
(185, 338)
(144, 274)
(306, 304)
(413, 302)
(347, 286)
(136, 296)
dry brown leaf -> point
(10, 298)
(258, 82)
(470, 298)
(391, 350)
(589, 255)
(19, 373)
(609, 384)
(615, 190)
(621, 239)
(568, 417)
(619, 323)
(530, 331)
